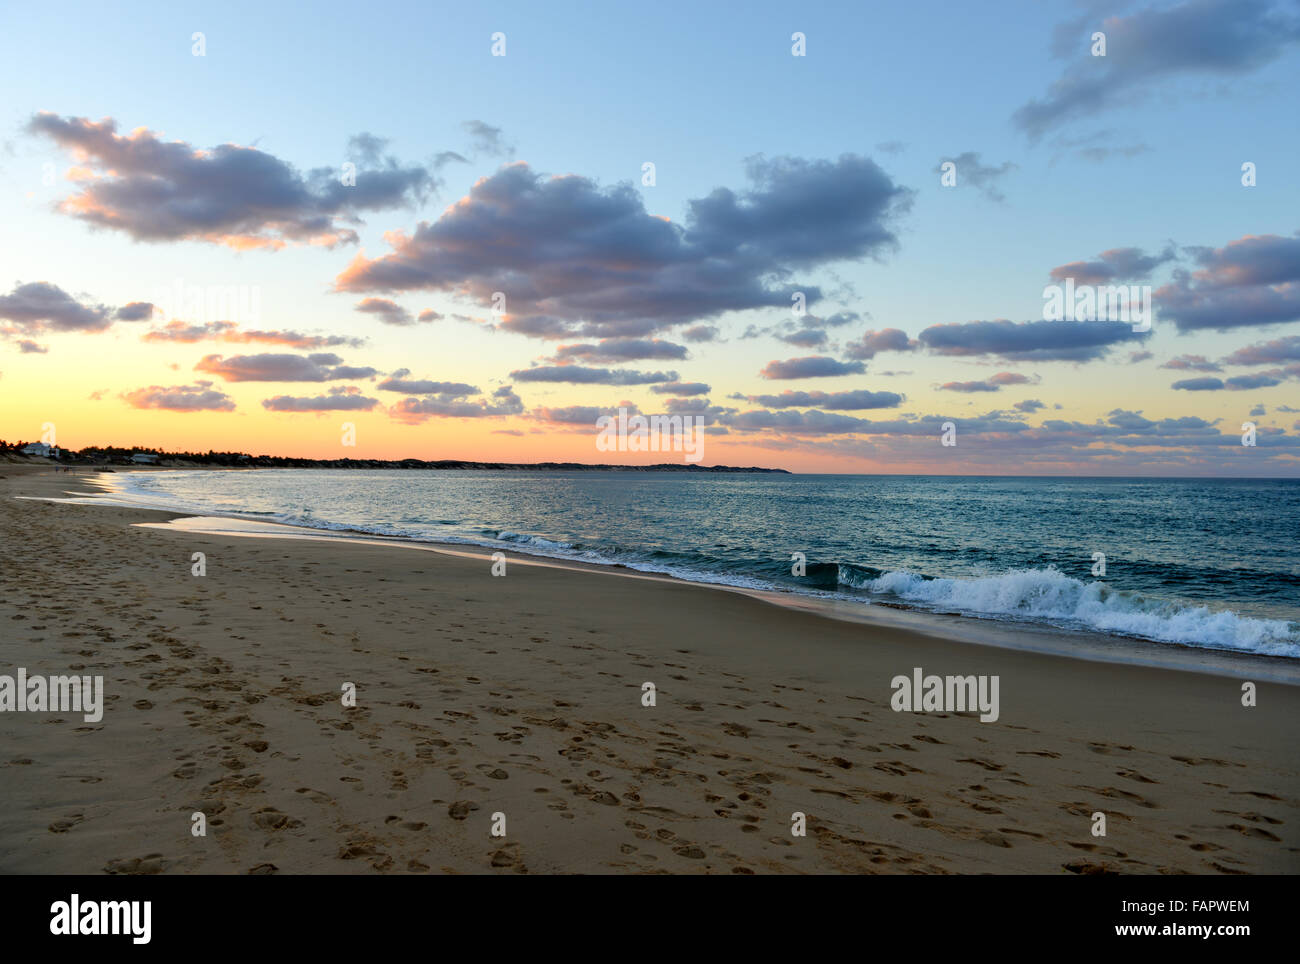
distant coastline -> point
(109, 457)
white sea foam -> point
(1050, 595)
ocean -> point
(1213, 564)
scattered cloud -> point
(340, 399)
(573, 258)
(199, 397)
(156, 190)
(41, 308)
(982, 176)
(835, 401)
(813, 366)
(1254, 280)
(873, 342)
(1118, 265)
(993, 383)
(271, 367)
(1208, 38)
(1076, 341)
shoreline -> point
(964, 628)
(522, 695)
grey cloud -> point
(577, 259)
(814, 366)
(1114, 266)
(579, 375)
(1076, 341)
(681, 388)
(199, 397)
(1254, 280)
(1214, 38)
(834, 401)
(873, 342)
(156, 190)
(985, 177)
(274, 367)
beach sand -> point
(521, 695)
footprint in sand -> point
(149, 864)
(268, 818)
(461, 809)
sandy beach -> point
(521, 696)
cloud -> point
(1214, 38)
(1076, 341)
(1238, 383)
(387, 311)
(993, 383)
(241, 197)
(1114, 266)
(616, 350)
(982, 176)
(1139, 356)
(398, 382)
(135, 311)
(681, 388)
(199, 397)
(455, 404)
(807, 338)
(1126, 443)
(1241, 383)
(579, 375)
(817, 422)
(573, 258)
(487, 140)
(1099, 146)
(835, 401)
(585, 415)
(228, 331)
(1198, 385)
(1192, 363)
(340, 399)
(318, 367)
(838, 320)
(873, 342)
(1254, 280)
(41, 308)
(813, 366)
(28, 347)
(1267, 353)
(1028, 405)
(700, 333)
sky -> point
(836, 234)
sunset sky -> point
(140, 165)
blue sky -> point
(698, 89)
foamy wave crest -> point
(1052, 596)
(533, 542)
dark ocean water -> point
(1209, 563)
